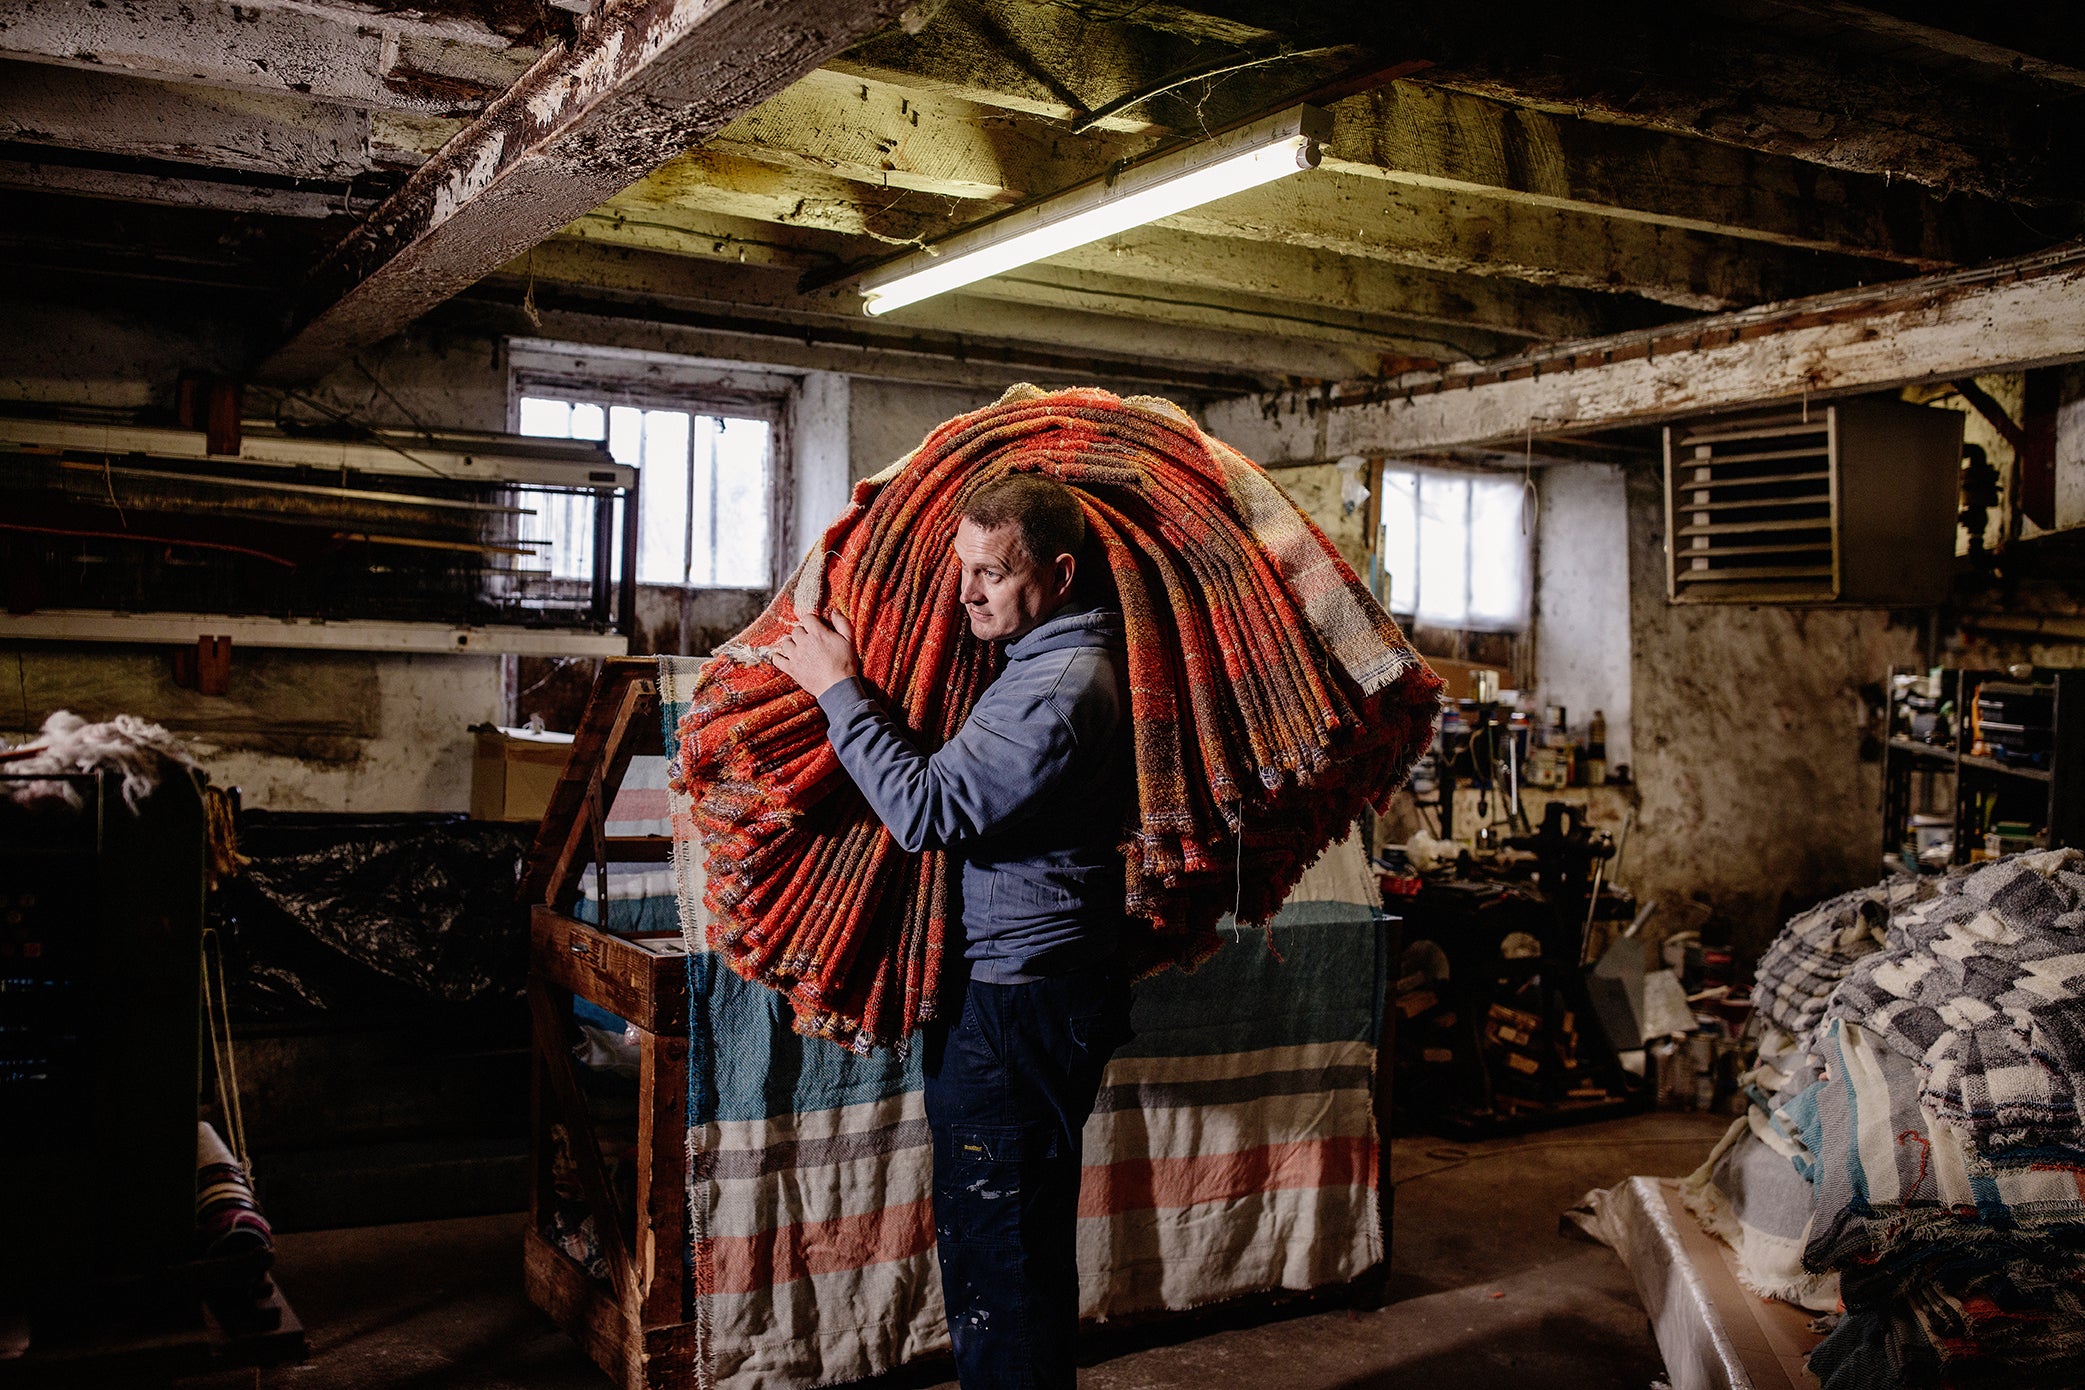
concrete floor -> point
(1483, 1292)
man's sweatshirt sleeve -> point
(1011, 750)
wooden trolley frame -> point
(639, 1329)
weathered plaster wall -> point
(61, 355)
(1748, 722)
(818, 440)
(1582, 599)
(1315, 488)
(887, 419)
(299, 731)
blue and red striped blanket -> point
(1233, 1149)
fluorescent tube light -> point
(1174, 182)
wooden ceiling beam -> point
(1362, 338)
(349, 57)
(160, 189)
(212, 128)
(1484, 235)
(2010, 316)
(110, 114)
(1949, 50)
(881, 135)
(1067, 65)
(1864, 109)
(705, 181)
(1664, 69)
(1408, 132)
(1411, 133)
(766, 300)
(1167, 301)
(1369, 218)
(1490, 305)
(644, 79)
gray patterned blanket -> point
(1984, 987)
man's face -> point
(1005, 594)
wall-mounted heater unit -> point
(392, 541)
(1849, 502)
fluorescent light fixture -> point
(1173, 182)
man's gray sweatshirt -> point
(1030, 794)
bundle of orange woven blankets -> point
(1271, 700)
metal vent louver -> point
(1848, 503)
(1752, 509)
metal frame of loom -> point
(639, 1329)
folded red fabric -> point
(1271, 700)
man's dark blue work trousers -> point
(1010, 1085)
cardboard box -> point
(513, 772)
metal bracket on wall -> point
(205, 668)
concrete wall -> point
(1314, 487)
(58, 355)
(1582, 599)
(299, 731)
(1756, 795)
(819, 425)
(886, 420)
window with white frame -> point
(1454, 548)
(705, 488)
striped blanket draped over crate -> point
(1232, 1150)
(1272, 701)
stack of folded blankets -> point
(1914, 1152)
(1272, 700)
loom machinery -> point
(282, 536)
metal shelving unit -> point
(1987, 789)
(424, 542)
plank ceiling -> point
(1499, 175)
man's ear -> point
(1064, 571)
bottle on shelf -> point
(1596, 750)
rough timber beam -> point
(1835, 21)
(1673, 69)
(1406, 132)
(1072, 345)
(1661, 67)
(1066, 66)
(1483, 235)
(644, 79)
(882, 135)
(1068, 310)
(283, 136)
(1368, 218)
(346, 56)
(710, 181)
(166, 190)
(1301, 276)
(2007, 317)
(1491, 303)
(1413, 134)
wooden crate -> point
(638, 1327)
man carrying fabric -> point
(1031, 794)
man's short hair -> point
(1049, 519)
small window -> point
(1454, 549)
(703, 491)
